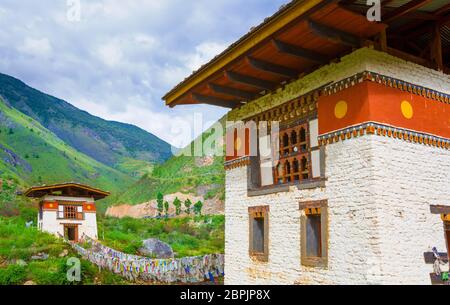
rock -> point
(40, 256)
(64, 253)
(156, 249)
(29, 283)
(21, 262)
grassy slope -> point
(188, 236)
(111, 143)
(41, 157)
(178, 174)
(18, 244)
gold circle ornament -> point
(340, 110)
(237, 144)
(407, 109)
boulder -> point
(156, 249)
(40, 256)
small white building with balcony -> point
(67, 209)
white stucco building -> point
(67, 209)
(356, 189)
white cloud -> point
(40, 47)
(122, 56)
(203, 53)
(110, 54)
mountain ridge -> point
(109, 142)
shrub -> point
(177, 205)
(12, 275)
(198, 207)
(188, 204)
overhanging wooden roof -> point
(303, 35)
(66, 189)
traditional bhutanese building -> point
(67, 209)
(356, 189)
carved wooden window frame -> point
(259, 212)
(319, 206)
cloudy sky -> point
(121, 57)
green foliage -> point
(198, 207)
(187, 204)
(178, 174)
(160, 201)
(12, 275)
(41, 157)
(166, 208)
(188, 236)
(177, 204)
(17, 242)
(112, 143)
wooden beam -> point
(272, 68)
(440, 209)
(232, 91)
(300, 52)
(211, 100)
(362, 10)
(250, 81)
(430, 259)
(442, 10)
(334, 35)
(383, 41)
(403, 10)
(436, 48)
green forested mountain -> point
(31, 154)
(122, 146)
(185, 173)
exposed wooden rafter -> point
(214, 101)
(272, 68)
(334, 35)
(362, 10)
(232, 91)
(300, 52)
(403, 10)
(250, 81)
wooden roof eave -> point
(96, 193)
(262, 33)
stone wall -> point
(379, 192)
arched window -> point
(285, 140)
(305, 169)
(293, 137)
(295, 170)
(303, 145)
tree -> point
(177, 204)
(166, 208)
(198, 208)
(160, 201)
(187, 204)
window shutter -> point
(265, 152)
(314, 133)
(315, 163)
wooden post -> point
(436, 47)
(383, 40)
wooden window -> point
(70, 212)
(259, 233)
(294, 155)
(447, 235)
(314, 233)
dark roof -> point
(66, 189)
(320, 31)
